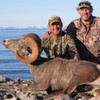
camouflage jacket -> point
(87, 41)
(63, 47)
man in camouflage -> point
(86, 33)
(59, 44)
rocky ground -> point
(12, 90)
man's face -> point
(85, 14)
(55, 28)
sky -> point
(35, 13)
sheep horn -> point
(35, 51)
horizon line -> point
(22, 27)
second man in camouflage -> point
(58, 44)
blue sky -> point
(35, 13)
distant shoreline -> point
(13, 28)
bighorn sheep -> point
(59, 74)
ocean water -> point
(9, 65)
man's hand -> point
(47, 34)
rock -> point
(12, 90)
(9, 97)
(17, 80)
(1, 98)
(4, 79)
(27, 96)
(66, 97)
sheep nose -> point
(4, 40)
(4, 43)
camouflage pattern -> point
(53, 19)
(63, 47)
(83, 4)
(87, 39)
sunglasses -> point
(88, 4)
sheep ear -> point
(32, 44)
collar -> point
(91, 20)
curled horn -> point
(35, 51)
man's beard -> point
(86, 19)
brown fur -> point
(61, 74)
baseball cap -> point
(84, 4)
(53, 19)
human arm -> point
(72, 49)
(71, 30)
(47, 34)
(44, 46)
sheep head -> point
(26, 48)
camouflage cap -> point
(53, 19)
(84, 4)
